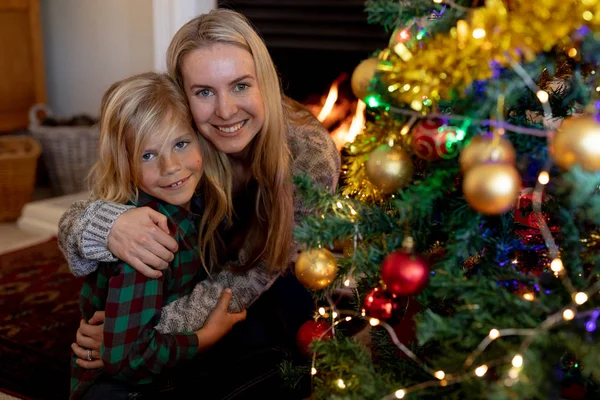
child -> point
(151, 156)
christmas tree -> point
(468, 211)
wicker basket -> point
(18, 162)
(68, 152)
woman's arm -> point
(91, 232)
(190, 312)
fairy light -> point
(438, 1)
(542, 96)
(348, 319)
(572, 52)
(587, 15)
(373, 321)
(334, 315)
(347, 282)
(544, 177)
(322, 310)
(341, 384)
(313, 371)
(479, 33)
(513, 373)
(529, 296)
(404, 130)
(557, 265)
(339, 205)
(494, 334)
(517, 361)
(440, 374)
(568, 314)
(352, 211)
(481, 370)
(580, 298)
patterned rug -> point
(39, 315)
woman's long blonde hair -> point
(271, 155)
(135, 109)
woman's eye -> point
(203, 92)
(182, 144)
(241, 86)
(147, 156)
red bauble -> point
(380, 304)
(433, 140)
(309, 331)
(405, 274)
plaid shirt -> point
(132, 350)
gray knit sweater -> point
(84, 228)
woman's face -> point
(222, 90)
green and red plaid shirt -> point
(132, 350)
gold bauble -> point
(389, 168)
(482, 149)
(362, 76)
(577, 141)
(316, 268)
(492, 188)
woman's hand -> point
(140, 237)
(219, 322)
(89, 339)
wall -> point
(90, 44)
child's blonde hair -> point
(135, 109)
(270, 152)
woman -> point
(235, 98)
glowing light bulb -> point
(339, 205)
(341, 384)
(440, 374)
(556, 265)
(542, 96)
(334, 314)
(313, 371)
(544, 178)
(400, 394)
(479, 33)
(438, 1)
(529, 296)
(322, 310)
(517, 361)
(568, 314)
(513, 373)
(374, 321)
(347, 282)
(404, 130)
(348, 318)
(481, 370)
(572, 52)
(580, 298)
(494, 334)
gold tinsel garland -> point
(496, 33)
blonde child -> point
(151, 156)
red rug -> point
(39, 316)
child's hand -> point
(219, 322)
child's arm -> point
(190, 312)
(132, 349)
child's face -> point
(222, 90)
(172, 171)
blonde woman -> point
(234, 95)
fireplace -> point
(312, 42)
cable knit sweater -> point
(84, 228)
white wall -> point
(90, 44)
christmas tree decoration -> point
(577, 141)
(405, 274)
(362, 76)
(380, 304)
(484, 148)
(389, 168)
(492, 188)
(312, 330)
(316, 268)
(433, 140)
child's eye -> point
(147, 156)
(203, 92)
(182, 144)
(241, 86)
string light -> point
(568, 314)
(513, 373)
(481, 370)
(557, 265)
(440, 374)
(339, 205)
(529, 296)
(542, 96)
(341, 384)
(322, 310)
(313, 371)
(544, 178)
(400, 394)
(347, 282)
(580, 298)
(494, 334)
(374, 321)
(517, 361)
(479, 33)
(348, 319)
(334, 315)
